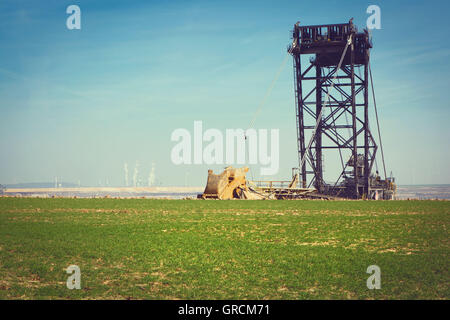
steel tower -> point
(332, 106)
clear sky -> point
(78, 104)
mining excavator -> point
(339, 74)
(232, 184)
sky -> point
(79, 104)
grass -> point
(193, 249)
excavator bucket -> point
(229, 184)
(232, 184)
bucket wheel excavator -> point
(329, 91)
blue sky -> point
(78, 104)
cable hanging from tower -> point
(378, 123)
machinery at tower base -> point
(232, 184)
(379, 189)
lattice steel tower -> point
(332, 107)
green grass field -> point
(193, 249)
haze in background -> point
(80, 104)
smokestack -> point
(125, 168)
(135, 174)
(151, 176)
